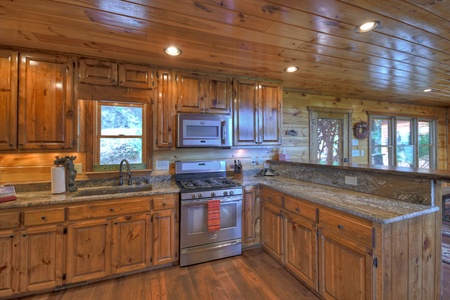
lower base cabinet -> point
(346, 268)
(300, 249)
(131, 243)
(9, 262)
(88, 250)
(164, 250)
(271, 232)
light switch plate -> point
(162, 165)
(351, 180)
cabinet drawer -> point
(352, 227)
(271, 196)
(43, 216)
(164, 202)
(10, 220)
(105, 209)
(300, 208)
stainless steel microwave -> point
(204, 130)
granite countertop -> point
(377, 209)
(40, 198)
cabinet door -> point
(271, 234)
(131, 239)
(165, 109)
(41, 258)
(300, 251)
(88, 250)
(190, 92)
(245, 108)
(345, 268)
(98, 72)
(163, 223)
(46, 113)
(9, 263)
(218, 94)
(8, 99)
(135, 76)
(251, 218)
(269, 113)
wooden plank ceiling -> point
(408, 53)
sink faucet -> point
(130, 182)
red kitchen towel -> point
(213, 215)
(7, 198)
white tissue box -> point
(283, 157)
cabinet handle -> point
(43, 217)
(164, 203)
(115, 223)
(24, 234)
(297, 209)
(340, 226)
(128, 218)
(12, 235)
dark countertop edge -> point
(432, 174)
(420, 209)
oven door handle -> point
(205, 202)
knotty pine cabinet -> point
(257, 113)
(197, 93)
(50, 246)
(8, 98)
(164, 111)
(251, 222)
(105, 72)
(41, 115)
(330, 258)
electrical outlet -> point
(162, 165)
(79, 168)
(351, 180)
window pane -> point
(379, 132)
(405, 155)
(113, 150)
(328, 140)
(380, 156)
(403, 134)
(121, 120)
(424, 156)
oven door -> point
(194, 222)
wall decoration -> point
(361, 130)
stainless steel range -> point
(207, 196)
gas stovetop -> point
(207, 183)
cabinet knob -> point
(111, 209)
(297, 209)
(11, 144)
(164, 203)
(43, 217)
(24, 234)
(115, 223)
(128, 218)
(340, 226)
(12, 235)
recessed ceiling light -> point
(427, 90)
(291, 69)
(368, 26)
(174, 51)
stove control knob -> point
(225, 193)
(193, 196)
(200, 195)
(213, 194)
(231, 193)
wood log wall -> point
(35, 167)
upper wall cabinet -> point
(101, 72)
(257, 113)
(203, 94)
(95, 71)
(46, 114)
(8, 99)
(164, 111)
(135, 76)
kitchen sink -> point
(108, 190)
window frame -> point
(414, 120)
(343, 114)
(146, 140)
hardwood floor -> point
(253, 275)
